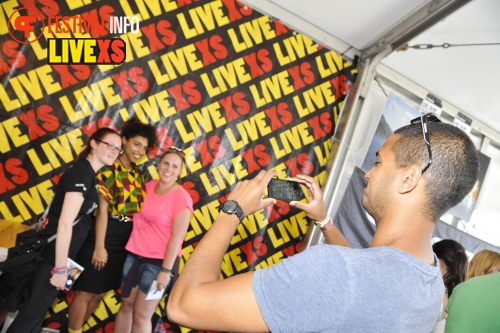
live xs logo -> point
(26, 25)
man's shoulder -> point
(378, 252)
(383, 258)
(354, 257)
(356, 252)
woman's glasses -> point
(111, 146)
(423, 120)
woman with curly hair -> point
(121, 194)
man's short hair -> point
(455, 162)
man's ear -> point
(410, 179)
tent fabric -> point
(353, 221)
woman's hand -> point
(59, 280)
(100, 258)
(162, 280)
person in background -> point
(75, 197)
(483, 263)
(154, 245)
(395, 285)
(474, 306)
(453, 264)
(121, 194)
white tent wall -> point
(364, 105)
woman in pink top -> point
(155, 245)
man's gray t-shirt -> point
(336, 289)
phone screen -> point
(285, 190)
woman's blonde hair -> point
(483, 263)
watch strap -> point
(237, 211)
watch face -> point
(230, 206)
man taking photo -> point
(395, 285)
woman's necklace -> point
(123, 164)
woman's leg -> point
(123, 319)
(81, 307)
(94, 303)
(75, 331)
(143, 311)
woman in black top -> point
(75, 197)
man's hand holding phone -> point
(315, 208)
(249, 193)
(285, 190)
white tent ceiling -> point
(467, 77)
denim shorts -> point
(147, 274)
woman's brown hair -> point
(98, 135)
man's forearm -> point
(199, 298)
(333, 236)
(205, 262)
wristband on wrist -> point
(166, 270)
(59, 270)
(325, 224)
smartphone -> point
(285, 190)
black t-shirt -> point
(79, 178)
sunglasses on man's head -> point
(423, 120)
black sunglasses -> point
(423, 120)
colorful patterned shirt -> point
(123, 189)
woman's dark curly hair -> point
(134, 127)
